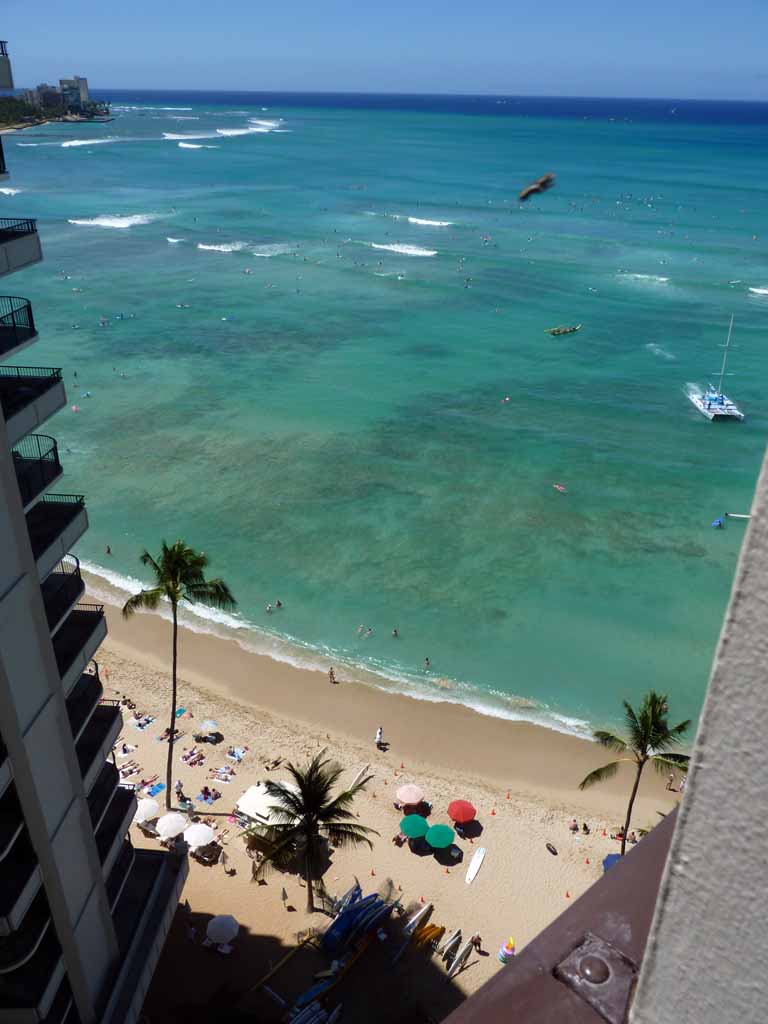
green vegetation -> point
(14, 111)
(306, 818)
(649, 739)
(179, 576)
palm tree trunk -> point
(640, 766)
(310, 894)
(169, 767)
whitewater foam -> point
(117, 221)
(10, 191)
(651, 278)
(657, 350)
(430, 223)
(190, 145)
(267, 251)
(173, 241)
(406, 250)
(187, 136)
(223, 247)
(759, 291)
(88, 142)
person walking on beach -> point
(671, 782)
(332, 675)
(379, 738)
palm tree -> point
(306, 814)
(179, 576)
(649, 739)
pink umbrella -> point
(409, 794)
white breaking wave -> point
(406, 250)
(759, 291)
(117, 221)
(173, 241)
(29, 145)
(10, 191)
(185, 117)
(268, 251)
(430, 223)
(269, 125)
(190, 145)
(657, 350)
(187, 136)
(88, 142)
(652, 278)
(224, 247)
(150, 108)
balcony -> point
(3, 169)
(11, 820)
(83, 698)
(5, 767)
(27, 994)
(142, 917)
(77, 640)
(21, 877)
(63, 1009)
(114, 827)
(96, 741)
(101, 792)
(29, 395)
(16, 949)
(121, 869)
(37, 466)
(61, 589)
(19, 244)
(54, 525)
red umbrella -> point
(461, 811)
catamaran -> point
(713, 403)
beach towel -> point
(203, 800)
(180, 712)
(157, 788)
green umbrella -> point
(439, 836)
(414, 826)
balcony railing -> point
(115, 823)
(84, 697)
(17, 948)
(103, 726)
(50, 517)
(17, 325)
(18, 869)
(119, 872)
(2, 155)
(15, 227)
(33, 986)
(37, 465)
(101, 792)
(61, 589)
(74, 633)
(20, 386)
(11, 820)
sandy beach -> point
(522, 779)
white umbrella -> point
(146, 810)
(209, 725)
(222, 928)
(171, 825)
(198, 835)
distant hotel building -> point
(83, 915)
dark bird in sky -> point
(540, 185)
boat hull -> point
(715, 410)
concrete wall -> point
(707, 957)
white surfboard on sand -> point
(449, 941)
(419, 917)
(475, 864)
(461, 957)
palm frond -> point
(145, 599)
(607, 739)
(214, 593)
(343, 836)
(600, 775)
(663, 762)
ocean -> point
(308, 334)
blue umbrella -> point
(610, 860)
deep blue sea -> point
(309, 338)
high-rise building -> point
(83, 915)
(74, 91)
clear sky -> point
(655, 48)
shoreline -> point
(505, 755)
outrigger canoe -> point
(563, 329)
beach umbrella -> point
(171, 825)
(146, 810)
(439, 836)
(461, 811)
(410, 794)
(414, 826)
(222, 928)
(209, 725)
(198, 835)
(610, 860)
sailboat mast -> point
(725, 356)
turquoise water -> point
(330, 426)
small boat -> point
(563, 329)
(713, 403)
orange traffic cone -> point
(447, 871)
(402, 765)
(567, 895)
(587, 860)
(507, 794)
(421, 899)
(493, 811)
(373, 873)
